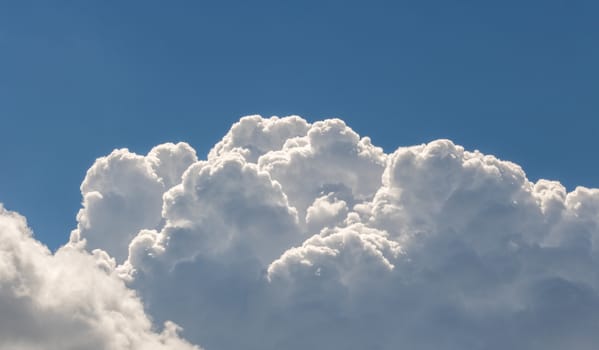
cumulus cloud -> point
(122, 193)
(295, 235)
(68, 300)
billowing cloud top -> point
(293, 235)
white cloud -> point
(68, 300)
(325, 211)
(331, 158)
(254, 136)
(122, 193)
(294, 235)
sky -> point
(404, 198)
(78, 79)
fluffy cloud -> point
(68, 300)
(330, 158)
(122, 193)
(293, 235)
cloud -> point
(292, 235)
(68, 300)
(122, 193)
(330, 158)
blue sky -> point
(515, 79)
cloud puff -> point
(122, 193)
(292, 235)
(68, 300)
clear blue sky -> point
(518, 79)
